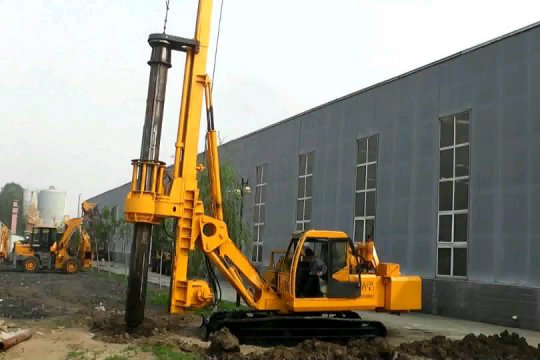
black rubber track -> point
(266, 328)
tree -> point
(103, 225)
(10, 192)
(238, 230)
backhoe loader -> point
(282, 307)
(47, 249)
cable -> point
(166, 15)
(217, 43)
(214, 283)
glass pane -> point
(264, 173)
(261, 233)
(255, 233)
(300, 210)
(462, 128)
(460, 227)
(460, 262)
(445, 195)
(373, 148)
(302, 165)
(443, 261)
(447, 163)
(447, 131)
(370, 203)
(359, 202)
(445, 228)
(359, 230)
(263, 194)
(260, 259)
(301, 187)
(307, 225)
(338, 249)
(254, 253)
(310, 159)
(256, 213)
(372, 176)
(361, 151)
(361, 178)
(461, 198)
(261, 213)
(370, 229)
(307, 210)
(299, 226)
(462, 161)
(259, 174)
(309, 181)
(257, 195)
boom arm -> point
(149, 201)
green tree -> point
(238, 230)
(10, 192)
(103, 225)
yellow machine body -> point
(363, 282)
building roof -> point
(408, 73)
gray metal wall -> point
(499, 84)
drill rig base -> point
(265, 328)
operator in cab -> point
(315, 283)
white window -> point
(305, 191)
(365, 188)
(453, 196)
(259, 214)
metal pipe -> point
(160, 62)
(14, 340)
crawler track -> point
(266, 328)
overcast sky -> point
(73, 74)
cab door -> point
(343, 279)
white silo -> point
(51, 206)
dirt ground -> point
(80, 317)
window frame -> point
(365, 190)
(453, 212)
(303, 175)
(259, 222)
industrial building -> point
(439, 166)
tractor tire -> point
(30, 264)
(71, 266)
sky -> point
(74, 77)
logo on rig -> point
(367, 289)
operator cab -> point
(320, 264)
(43, 238)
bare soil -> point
(81, 316)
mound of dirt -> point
(320, 350)
(502, 346)
(222, 343)
(111, 328)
